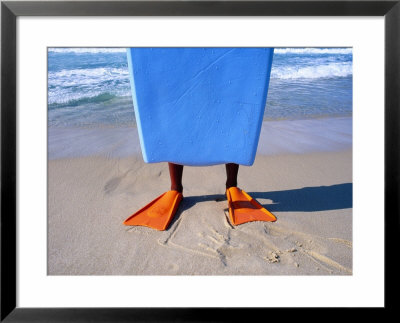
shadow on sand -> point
(309, 199)
(306, 199)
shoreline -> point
(276, 137)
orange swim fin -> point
(243, 208)
(158, 213)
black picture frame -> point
(10, 10)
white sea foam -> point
(89, 50)
(78, 84)
(91, 76)
(311, 50)
(63, 97)
(92, 96)
(96, 50)
(313, 72)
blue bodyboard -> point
(199, 106)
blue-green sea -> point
(89, 87)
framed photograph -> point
(96, 224)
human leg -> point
(231, 174)
(175, 173)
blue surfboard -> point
(199, 106)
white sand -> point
(309, 192)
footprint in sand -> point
(173, 267)
(112, 184)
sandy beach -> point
(302, 174)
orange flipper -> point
(243, 208)
(158, 213)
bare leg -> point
(175, 172)
(231, 174)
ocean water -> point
(89, 87)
